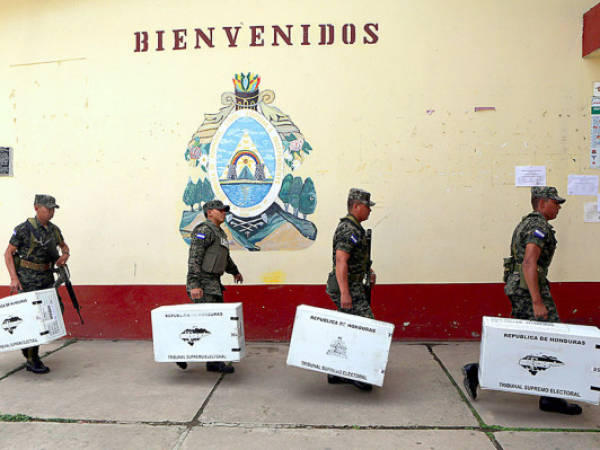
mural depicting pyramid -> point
(245, 174)
(246, 162)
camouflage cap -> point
(546, 192)
(360, 195)
(215, 204)
(45, 200)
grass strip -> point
(14, 418)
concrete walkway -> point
(112, 395)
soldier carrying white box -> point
(350, 281)
(208, 259)
(525, 274)
(30, 258)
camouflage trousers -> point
(32, 280)
(522, 307)
(360, 305)
(212, 289)
(208, 298)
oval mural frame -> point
(213, 174)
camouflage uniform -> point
(36, 245)
(204, 236)
(350, 237)
(42, 252)
(535, 229)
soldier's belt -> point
(356, 277)
(35, 266)
(541, 271)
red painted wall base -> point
(419, 311)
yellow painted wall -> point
(105, 129)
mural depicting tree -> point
(295, 191)
(207, 192)
(189, 195)
(284, 192)
(198, 194)
(308, 197)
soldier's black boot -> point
(471, 379)
(36, 366)
(362, 386)
(34, 363)
(333, 379)
(219, 366)
(559, 405)
(182, 364)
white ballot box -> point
(198, 332)
(340, 344)
(29, 319)
(540, 358)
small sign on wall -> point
(595, 131)
(6, 161)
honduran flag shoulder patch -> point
(354, 239)
(539, 233)
(201, 236)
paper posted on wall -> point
(590, 212)
(582, 185)
(530, 175)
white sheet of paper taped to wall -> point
(590, 212)
(530, 175)
(582, 185)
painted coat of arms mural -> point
(246, 155)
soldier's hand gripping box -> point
(198, 332)
(340, 344)
(29, 319)
(540, 358)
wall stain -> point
(276, 277)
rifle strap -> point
(35, 236)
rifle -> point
(367, 284)
(64, 276)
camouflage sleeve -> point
(537, 233)
(59, 236)
(231, 268)
(345, 238)
(201, 238)
(18, 237)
